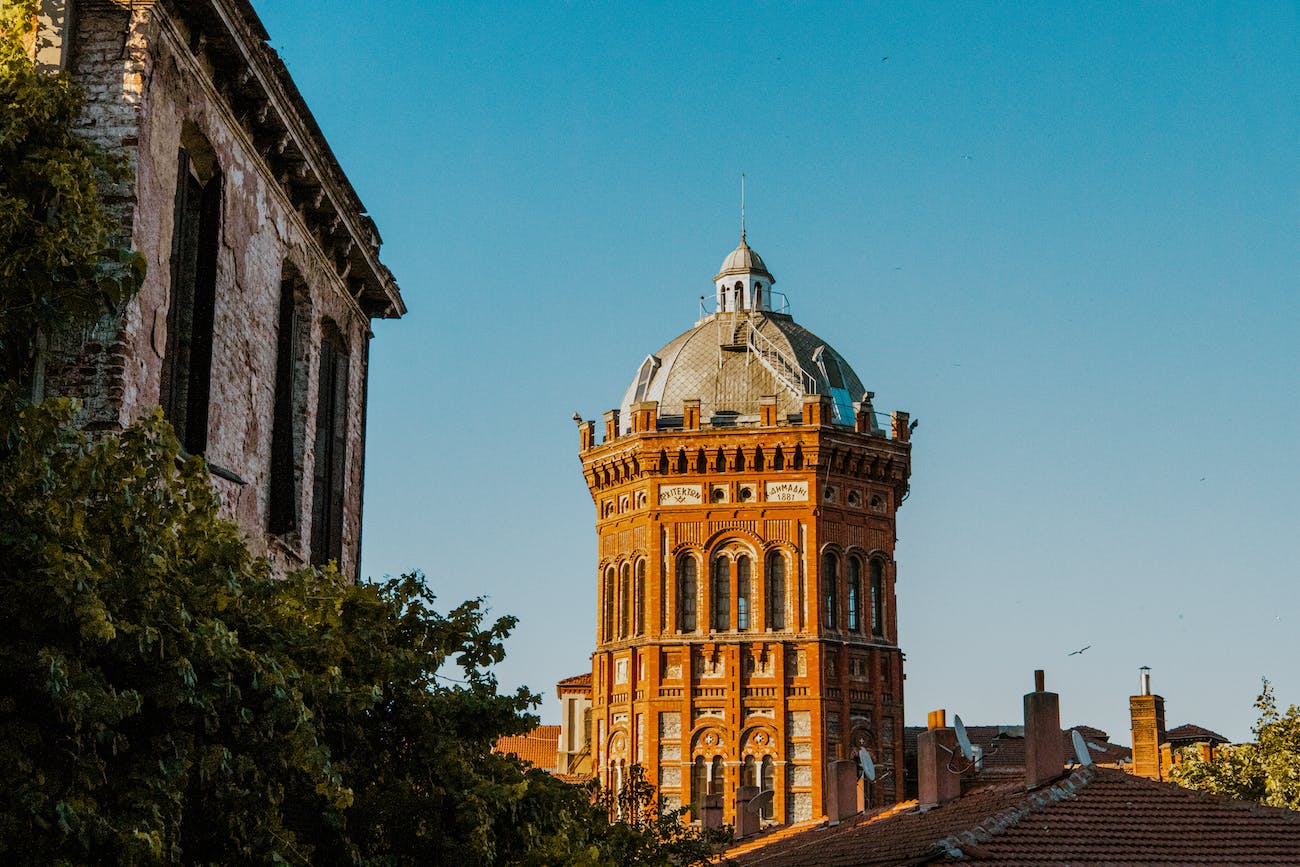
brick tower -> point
(746, 500)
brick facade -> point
(197, 79)
(781, 683)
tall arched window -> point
(699, 783)
(742, 593)
(749, 773)
(767, 782)
(776, 591)
(758, 296)
(877, 598)
(638, 605)
(624, 600)
(855, 594)
(718, 778)
(687, 591)
(607, 619)
(831, 590)
(720, 600)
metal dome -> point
(743, 260)
(718, 361)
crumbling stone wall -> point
(149, 91)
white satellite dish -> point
(1080, 748)
(868, 766)
(962, 738)
(760, 802)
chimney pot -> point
(1040, 681)
(1044, 746)
(1144, 677)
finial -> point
(742, 207)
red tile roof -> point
(539, 746)
(1091, 816)
(1193, 734)
(578, 683)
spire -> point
(742, 209)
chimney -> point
(899, 422)
(586, 435)
(865, 413)
(1147, 712)
(936, 747)
(691, 414)
(1044, 745)
(645, 415)
(767, 411)
(611, 425)
(817, 411)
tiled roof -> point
(1193, 734)
(539, 746)
(578, 683)
(1091, 816)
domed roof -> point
(743, 260)
(717, 362)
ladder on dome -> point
(786, 370)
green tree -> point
(1267, 771)
(62, 258)
(168, 700)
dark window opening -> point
(688, 590)
(607, 606)
(855, 594)
(742, 594)
(831, 590)
(877, 598)
(718, 776)
(778, 459)
(775, 591)
(287, 433)
(721, 601)
(638, 611)
(187, 369)
(624, 601)
(331, 451)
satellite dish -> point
(962, 738)
(759, 802)
(868, 766)
(1080, 748)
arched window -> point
(855, 594)
(758, 296)
(638, 605)
(767, 782)
(720, 602)
(831, 589)
(683, 465)
(775, 591)
(797, 461)
(738, 462)
(742, 593)
(758, 459)
(663, 462)
(718, 778)
(778, 459)
(687, 590)
(701, 462)
(740, 296)
(877, 598)
(699, 784)
(607, 620)
(749, 773)
(720, 461)
(624, 600)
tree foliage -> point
(1267, 771)
(168, 700)
(61, 260)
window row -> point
(623, 601)
(732, 579)
(723, 460)
(857, 608)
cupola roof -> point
(744, 260)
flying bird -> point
(1080, 650)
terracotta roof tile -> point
(539, 746)
(1091, 816)
(578, 683)
(1192, 734)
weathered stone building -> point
(252, 328)
(747, 637)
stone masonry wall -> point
(146, 88)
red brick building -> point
(252, 328)
(746, 499)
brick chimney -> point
(1148, 714)
(1044, 746)
(611, 425)
(936, 748)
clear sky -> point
(1063, 237)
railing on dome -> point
(787, 371)
(709, 305)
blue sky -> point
(1063, 237)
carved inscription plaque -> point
(682, 495)
(787, 492)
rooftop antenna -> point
(867, 765)
(1080, 748)
(742, 207)
(962, 738)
